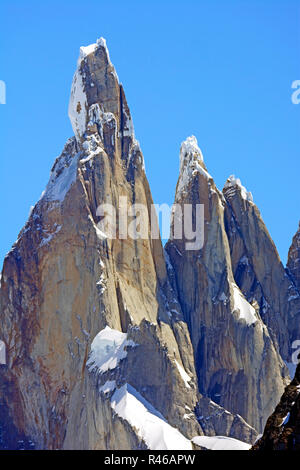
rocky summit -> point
(116, 342)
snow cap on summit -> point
(84, 51)
(232, 182)
(190, 148)
(85, 90)
(191, 163)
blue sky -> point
(219, 69)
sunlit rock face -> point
(64, 281)
(233, 349)
(258, 270)
(114, 342)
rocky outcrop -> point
(258, 270)
(237, 362)
(282, 431)
(216, 421)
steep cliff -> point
(65, 282)
(258, 270)
(237, 363)
(113, 342)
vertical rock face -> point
(294, 258)
(64, 281)
(112, 343)
(257, 268)
(236, 360)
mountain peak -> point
(191, 163)
(232, 184)
(84, 51)
(95, 82)
(189, 148)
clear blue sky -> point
(219, 69)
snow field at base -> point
(150, 425)
(220, 443)
(107, 350)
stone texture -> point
(294, 258)
(282, 431)
(258, 270)
(237, 363)
(216, 421)
(63, 282)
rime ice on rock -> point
(78, 104)
(231, 186)
(191, 163)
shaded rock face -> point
(258, 270)
(282, 431)
(237, 362)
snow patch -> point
(108, 387)
(185, 377)
(108, 349)
(128, 129)
(61, 180)
(78, 106)
(45, 241)
(247, 312)
(220, 443)
(150, 425)
(188, 416)
(97, 116)
(286, 419)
